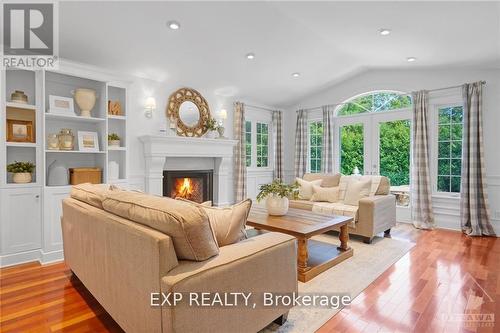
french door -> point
(374, 144)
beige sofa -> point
(121, 262)
(374, 214)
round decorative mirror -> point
(189, 111)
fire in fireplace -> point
(194, 185)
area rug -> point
(350, 277)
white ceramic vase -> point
(85, 99)
(276, 205)
(21, 178)
(113, 170)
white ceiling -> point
(324, 41)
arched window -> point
(376, 101)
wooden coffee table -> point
(313, 257)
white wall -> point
(139, 125)
(409, 80)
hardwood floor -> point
(437, 277)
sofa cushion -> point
(188, 225)
(306, 188)
(336, 208)
(356, 190)
(327, 179)
(92, 194)
(301, 204)
(328, 194)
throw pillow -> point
(328, 194)
(228, 223)
(356, 190)
(306, 188)
(187, 224)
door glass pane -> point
(395, 151)
(351, 148)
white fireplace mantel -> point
(158, 148)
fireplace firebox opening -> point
(194, 185)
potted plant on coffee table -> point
(21, 171)
(113, 140)
(277, 194)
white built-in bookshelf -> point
(36, 207)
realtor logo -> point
(29, 35)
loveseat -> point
(122, 261)
(372, 215)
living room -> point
(172, 166)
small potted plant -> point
(113, 140)
(277, 194)
(21, 171)
(211, 127)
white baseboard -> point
(29, 256)
(50, 257)
(19, 258)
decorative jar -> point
(66, 139)
(85, 99)
(52, 142)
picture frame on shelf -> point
(20, 131)
(88, 141)
(61, 105)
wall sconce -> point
(150, 107)
(220, 128)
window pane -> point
(262, 145)
(443, 184)
(457, 114)
(455, 184)
(444, 133)
(374, 102)
(456, 132)
(351, 148)
(444, 149)
(449, 149)
(444, 116)
(315, 145)
(443, 167)
(456, 149)
(395, 151)
(456, 166)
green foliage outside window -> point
(450, 126)
(375, 102)
(248, 143)
(262, 145)
(395, 151)
(351, 149)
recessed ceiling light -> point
(411, 59)
(250, 56)
(174, 25)
(384, 32)
(296, 74)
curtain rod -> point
(405, 93)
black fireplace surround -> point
(200, 184)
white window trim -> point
(436, 103)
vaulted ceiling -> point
(324, 41)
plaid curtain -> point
(278, 144)
(327, 154)
(301, 144)
(421, 204)
(240, 168)
(474, 208)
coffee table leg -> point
(302, 255)
(344, 238)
